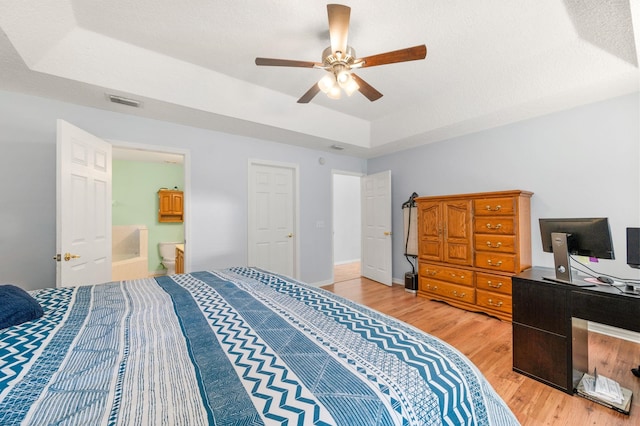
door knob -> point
(290, 235)
(69, 256)
(387, 233)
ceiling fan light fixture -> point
(339, 59)
(343, 76)
(326, 83)
(350, 86)
(335, 92)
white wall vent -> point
(124, 101)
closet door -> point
(376, 227)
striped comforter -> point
(230, 347)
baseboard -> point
(320, 283)
(614, 332)
(344, 262)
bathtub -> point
(130, 252)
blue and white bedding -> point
(231, 347)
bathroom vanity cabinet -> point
(170, 205)
(179, 258)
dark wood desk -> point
(550, 325)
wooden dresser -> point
(469, 246)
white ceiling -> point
(489, 62)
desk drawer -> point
(494, 283)
(496, 261)
(446, 273)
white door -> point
(83, 213)
(376, 227)
(272, 218)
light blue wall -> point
(217, 231)
(583, 162)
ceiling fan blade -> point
(338, 26)
(285, 63)
(402, 55)
(311, 93)
(366, 89)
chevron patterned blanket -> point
(238, 346)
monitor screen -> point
(587, 236)
(633, 247)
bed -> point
(235, 346)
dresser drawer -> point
(494, 225)
(494, 206)
(446, 273)
(451, 291)
(495, 301)
(495, 243)
(496, 261)
(495, 283)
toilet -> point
(168, 256)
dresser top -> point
(495, 194)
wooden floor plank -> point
(487, 342)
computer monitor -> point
(575, 236)
(633, 247)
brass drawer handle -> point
(491, 284)
(431, 272)
(499, 304)
(498, 207)
(453, 275)
(430, 287)
(498, 245)
(498, 226)
(498, 263)
(461, 295)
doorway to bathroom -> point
(138, 174)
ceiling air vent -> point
(124, 101)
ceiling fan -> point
(340, 60)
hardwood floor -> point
(487, 342)
(346, 271)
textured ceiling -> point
(489, 63)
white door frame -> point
(186, 154)
(296, 207)
(333, 220)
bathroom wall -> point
(135, 201)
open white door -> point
(272, 218)
(376, 227)
(83, 196)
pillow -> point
(17, 306)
